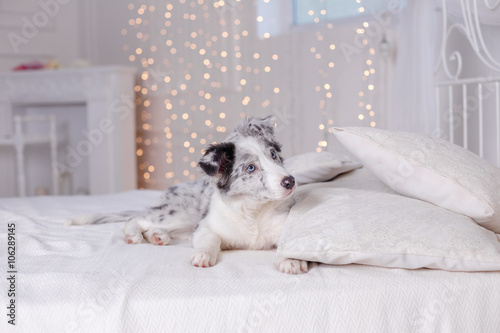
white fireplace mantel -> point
(108, 95)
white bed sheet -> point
(87, 279)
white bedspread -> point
(87, 279)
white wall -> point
(38, 30)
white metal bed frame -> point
(444, 90)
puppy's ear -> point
(262, 126)
(218, 159)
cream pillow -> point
(429, 169)
(318, 167)
(344, 226)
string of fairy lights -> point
(204, 67)
(366, 112)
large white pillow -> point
(429, 169)
(343, 226)
(318, 167)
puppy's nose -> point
(288, 182)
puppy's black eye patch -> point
(218, 159)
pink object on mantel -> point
(29, 66)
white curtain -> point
(413, 101)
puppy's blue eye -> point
(273, 155)
(250, 168)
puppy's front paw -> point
(293, 266)
(203, 259)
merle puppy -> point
(242, 203)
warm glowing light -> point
(226, 56)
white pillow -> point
(359, 179)
(343, 226)
(318, 167)
(429, 169)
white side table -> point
(109, 97)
